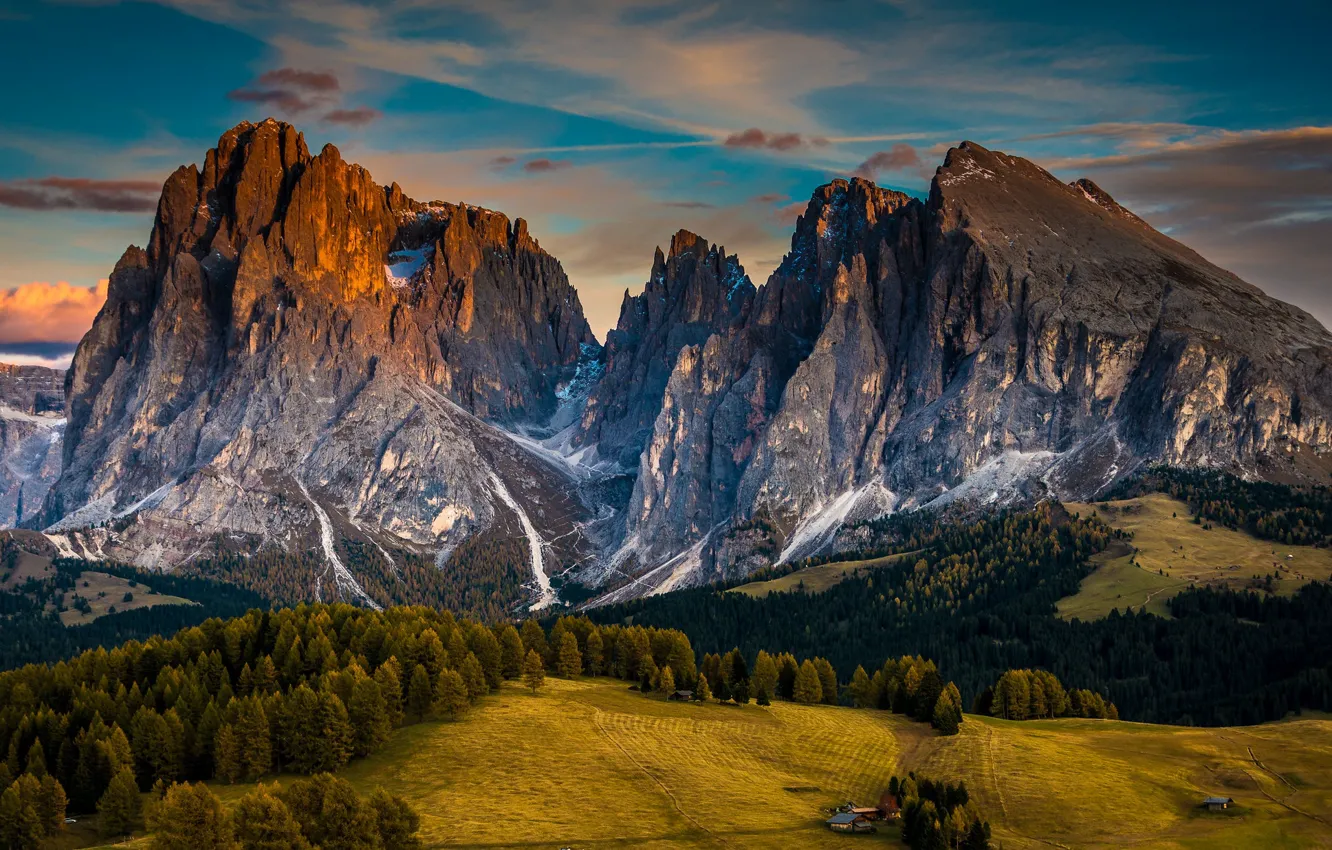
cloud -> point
(756, 138)
(900, 157)
(542, 165)
(1258, 203)
(298, 79)
(52, 355)
(293, 90)
(48, 312)
(358, 117)
(689, 205)
(769, 198)
(80, 193)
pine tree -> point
(807, 690)
(534, 671)
(702, 692)
(534, 639)
(389, 679)
(20, 825)
(861, 689)
(511, 651)
(51, 804)
(36, 760)
(263, 822)
(450, 695)
(475, 678)
(570, 661)
(227, 755)
(827, 680)
(666, 681)
(368, 714)
(419, 696)
(252, 731)
(120, 807)
(190, 817)
(764, 678)
(396, 822)
(595, 653)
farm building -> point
(681, 696)
(1216, 804)
(849, 822)
(888, 808)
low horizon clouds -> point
(80, 193)
(297, 91)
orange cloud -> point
(49, 312)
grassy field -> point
(104, 592)
(1172, 553)
(815, 579)
(589, 764)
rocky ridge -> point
(32, 404)
(301, 356)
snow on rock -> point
(817, 529)
(342, 578)
(546, 595)
(405, 265)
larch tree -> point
(120, 807)
(807, 690)
(570, 664)
(534, 670)
(263, 822)
(450, 695)
(419, 696)
(666, 681)
(190, 817)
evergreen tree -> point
(474, 678)
(252, 731)
(263, 822)
(368, 714)
(534, 671)
(120, 807)
(511, 651)
(570, 661)
(450, 695)
(389, 680)
(20, 825)
(862, 695)
(764, 677)
(419, 696)
(534, 639)
(330, 813)
(827, 681)
(189, 817)
(807, 689)
(227, 755)
(702, 692)
(666, 681)
(595, 653)
(396, 822)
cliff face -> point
(1008, 337)
(32, 403)
(300, 350)
(301, 356)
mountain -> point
(32, 401)
(301, 357)
(305, 361)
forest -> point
(979, 601)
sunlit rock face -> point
(298, 337)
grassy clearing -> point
(104, 592)
(589, 764)
(815, 579)
(1172, 553)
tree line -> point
(980, 600)
(1039, 695)
(938, 815)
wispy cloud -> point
(540, 166)
(80, 193)
(901, 157)
(358, 117)
(756, 138)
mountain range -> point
(303, 360)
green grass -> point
(814, 579)
(104, 591)
(590, 764)
(1172, 552)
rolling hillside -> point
(1172, 553)
(588, 763)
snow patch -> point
(405, 265)
(342, 577)
(546, 596)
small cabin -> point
(888, 808)
(849, 822)
(869, 812)
(681, 696)
(1216, 804)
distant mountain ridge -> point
(32, 404)
(302, 356)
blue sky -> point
(609, 125)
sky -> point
(610, 124)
